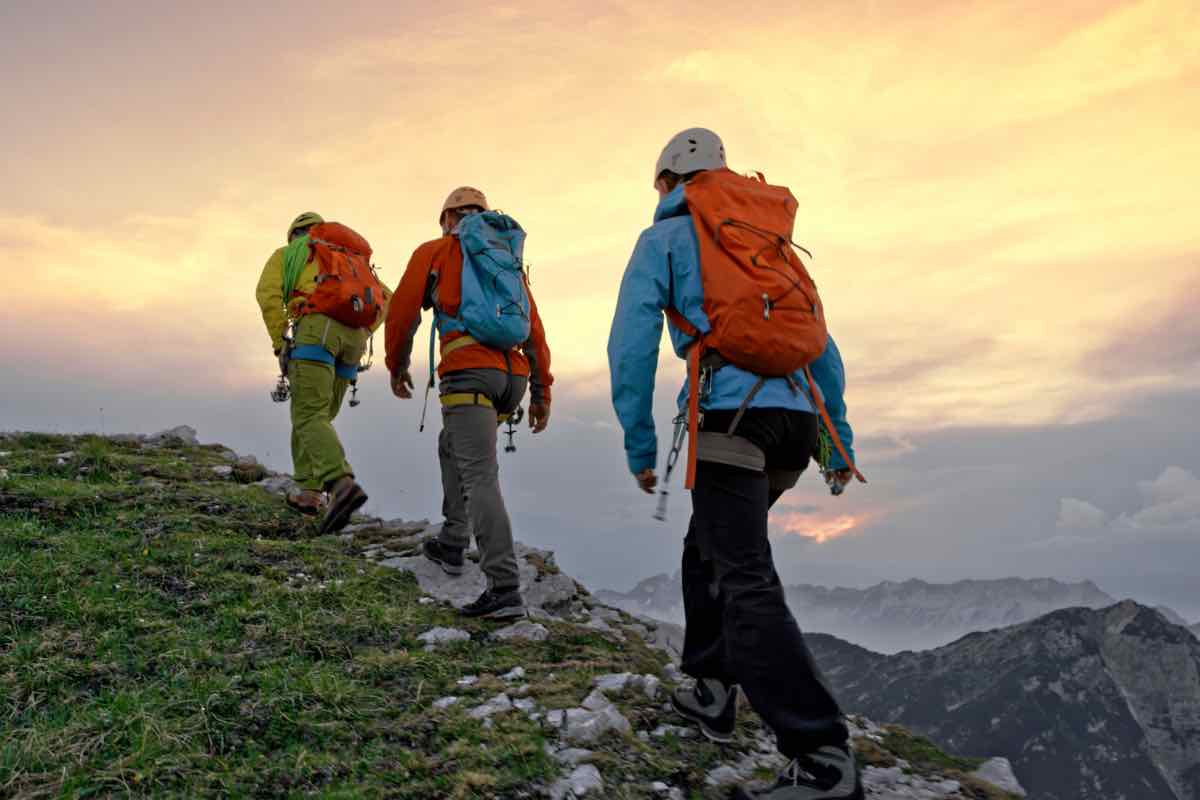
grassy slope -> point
(165, 632)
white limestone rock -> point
(497, 705)
(574, 756)
(584, 781)
(999, 773)
(582, 726)
(596, 701)
(436, 636)
(523, 631)
(181, 434)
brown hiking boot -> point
(308, 502)
(345, 497)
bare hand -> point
(402, 385)
(647, 480)
(539, 417)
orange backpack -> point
(763, 307)
(347, 288)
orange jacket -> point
(434, 276)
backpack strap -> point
(741, 412)
(693, 362)
(819, 403)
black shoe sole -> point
(710, 733)
(448, 568)
(504, 612)
(508, 612)
(744, 794)
(340, 513)
(512, 612)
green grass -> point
(167, 633)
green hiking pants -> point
(317, 394)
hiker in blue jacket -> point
(739, 631)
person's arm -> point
(404, 313)
(830, 375)
(540, 378)
(633, 346)
(269, 294)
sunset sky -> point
(1001, 198)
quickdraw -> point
(677, 440)
(672, 459)
(514, 419)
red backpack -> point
(762, 304)
(347, 288)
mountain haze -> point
(893, 616)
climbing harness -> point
(317, 352)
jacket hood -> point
(673, 205)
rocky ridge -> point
(175, 544)
(1087, 704)
(609, 711)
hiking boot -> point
(308, 502)
(825, 774)
(712, 705)
(450, 559)
(345, 497)
(496, 604)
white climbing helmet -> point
(691, 150)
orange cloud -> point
(817, 527)
(990, 189)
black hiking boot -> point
(496, 604)
(829, 773)
(450, 559)
(710, 704)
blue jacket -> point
(664, 272)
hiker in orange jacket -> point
(480, 384)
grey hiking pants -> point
(472, 502)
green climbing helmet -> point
(305, 220)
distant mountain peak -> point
(1088, 703)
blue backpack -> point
(495, 307)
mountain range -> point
(894, 616)
(1085, 703)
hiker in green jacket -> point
(320, 363)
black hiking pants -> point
(739, 629)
